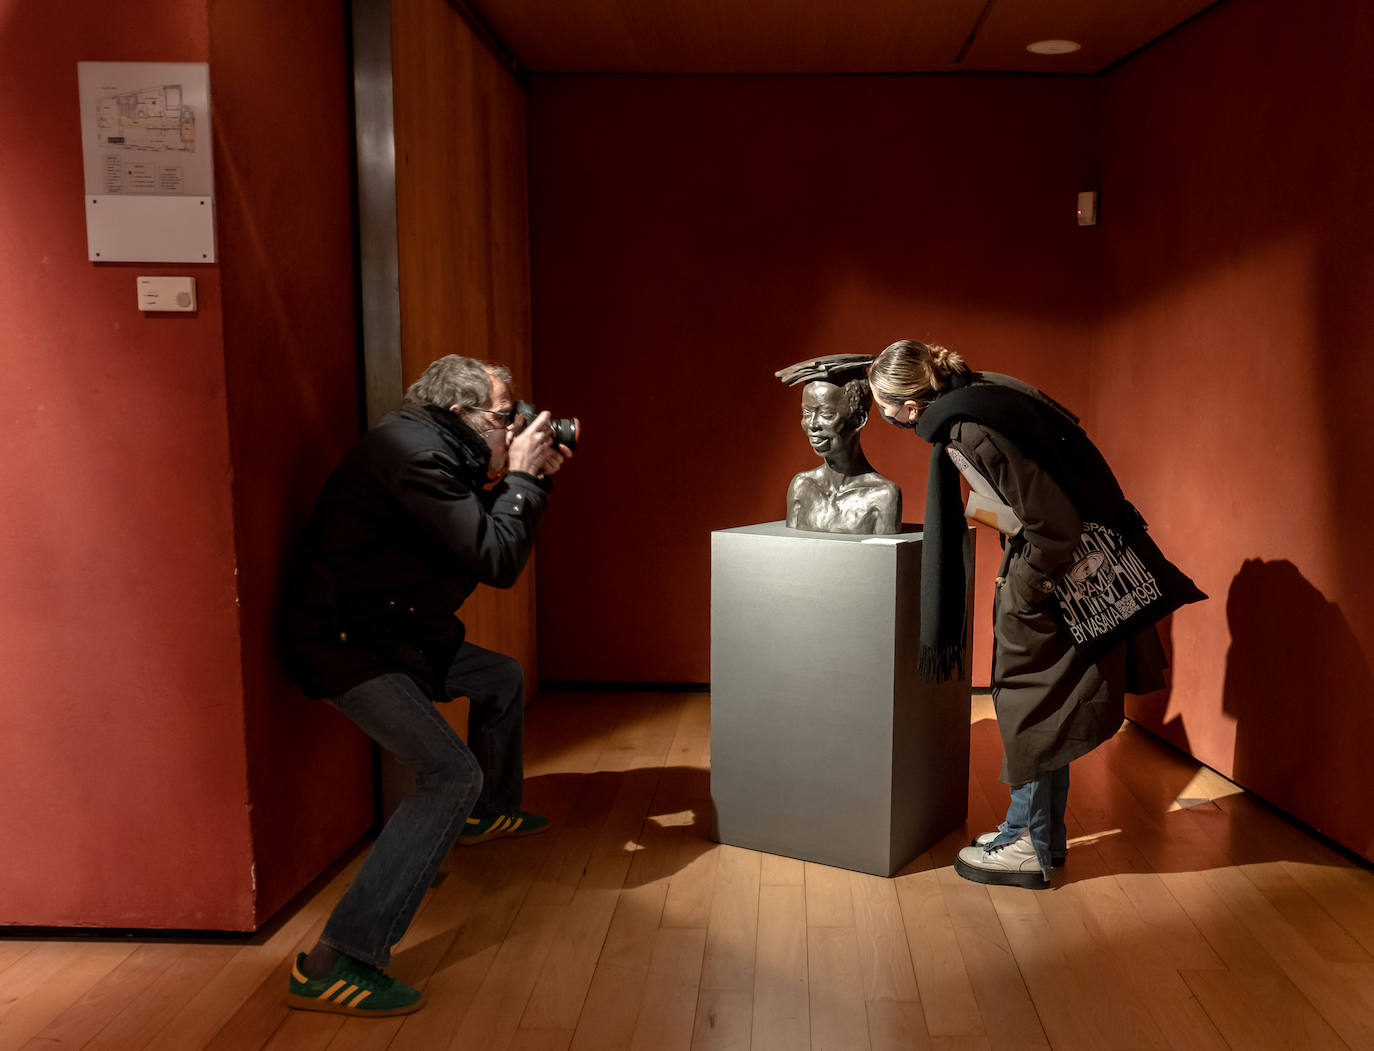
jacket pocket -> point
(1030, 587)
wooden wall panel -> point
(287, 269)
(462, 216)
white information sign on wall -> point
(145, 136)
(145, 128)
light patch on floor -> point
(1205, 786)
(1093, 837)
(678, 820)
(1185, 803)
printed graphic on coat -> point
(1106, 585)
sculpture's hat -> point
(833, 368)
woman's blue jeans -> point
(1039, 806)
(452, 780)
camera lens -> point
(566, 432)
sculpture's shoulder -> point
(802, 480)
(803, 495)
(882, 500)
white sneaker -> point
(1056, 860)
(1012, 865)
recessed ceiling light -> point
(1053, 47)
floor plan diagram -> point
(147, 119)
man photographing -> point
(404, 530)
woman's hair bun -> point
(944, 361)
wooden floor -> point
(1212, 925)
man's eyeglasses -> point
(506, 416)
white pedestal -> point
(825, 743)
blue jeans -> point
(452, 781)
(1039, 806)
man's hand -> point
(531, 449)
(554, 459)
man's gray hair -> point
(454, 380)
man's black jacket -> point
(402, 533)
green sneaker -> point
(507, 823)
(352, 988)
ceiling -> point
(823, 36)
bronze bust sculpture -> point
(844, 494)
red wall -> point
(120, 633)
(1232, 384)
(693, 235)
(146, 741)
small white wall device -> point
(167, 293)
(1087, 208)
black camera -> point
(565, 432)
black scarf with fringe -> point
(946, 565)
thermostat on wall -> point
(167, 293)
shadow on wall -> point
(1151, 709)
(1299, 686)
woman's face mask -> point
(895, 414)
